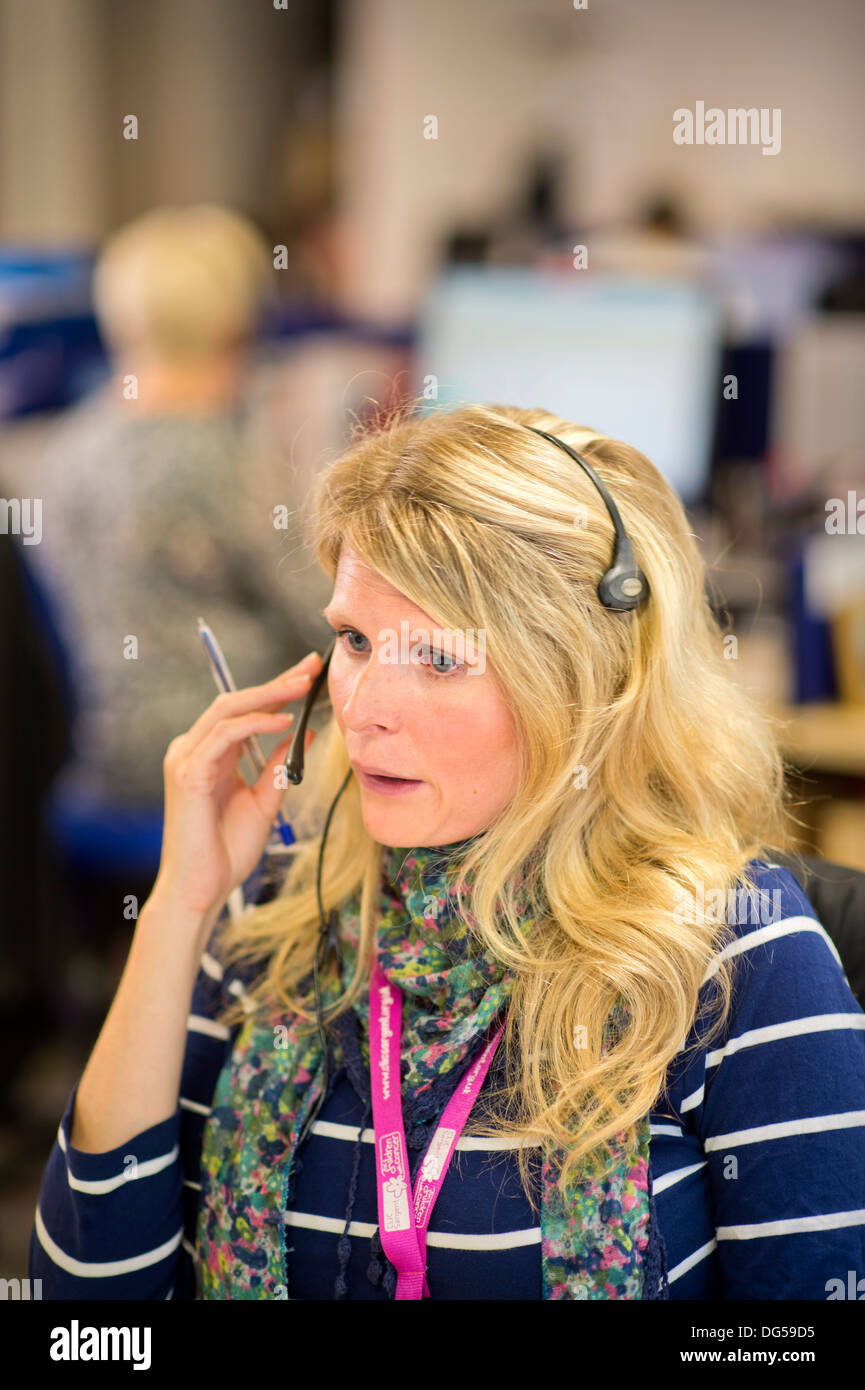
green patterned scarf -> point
(599, 1242)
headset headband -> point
(623, 586)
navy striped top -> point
(757, 1158)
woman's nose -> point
(372, 695)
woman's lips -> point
(387, 786)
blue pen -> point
(225, 682)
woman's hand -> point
(216, 826)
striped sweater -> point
(757, 1157)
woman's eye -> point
(434, 660)
(350, 632)
(437, 661)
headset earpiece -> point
(623, 586)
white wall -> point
(606, 81)
(53, 154)
(208, 80)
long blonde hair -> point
(649, 778)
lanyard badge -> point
(404, 1216)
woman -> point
(156, 492)
(540, 831)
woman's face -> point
(440, 724)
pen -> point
(225, 682)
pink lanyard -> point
(403, 1223)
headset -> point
(623, 587)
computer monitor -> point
(818, 417)
(637, 359)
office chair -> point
(837, 894)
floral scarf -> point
(600, 1242)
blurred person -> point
(547, 849)
(158, 507)
(658, 245)
(302, 204)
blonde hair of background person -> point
(472, 518)
(183, 284)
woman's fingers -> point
(269, 790)
(284, 689)
(201, 769)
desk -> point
(822, 737)
(825, 743)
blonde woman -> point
(156, 496)
(580, 1038)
